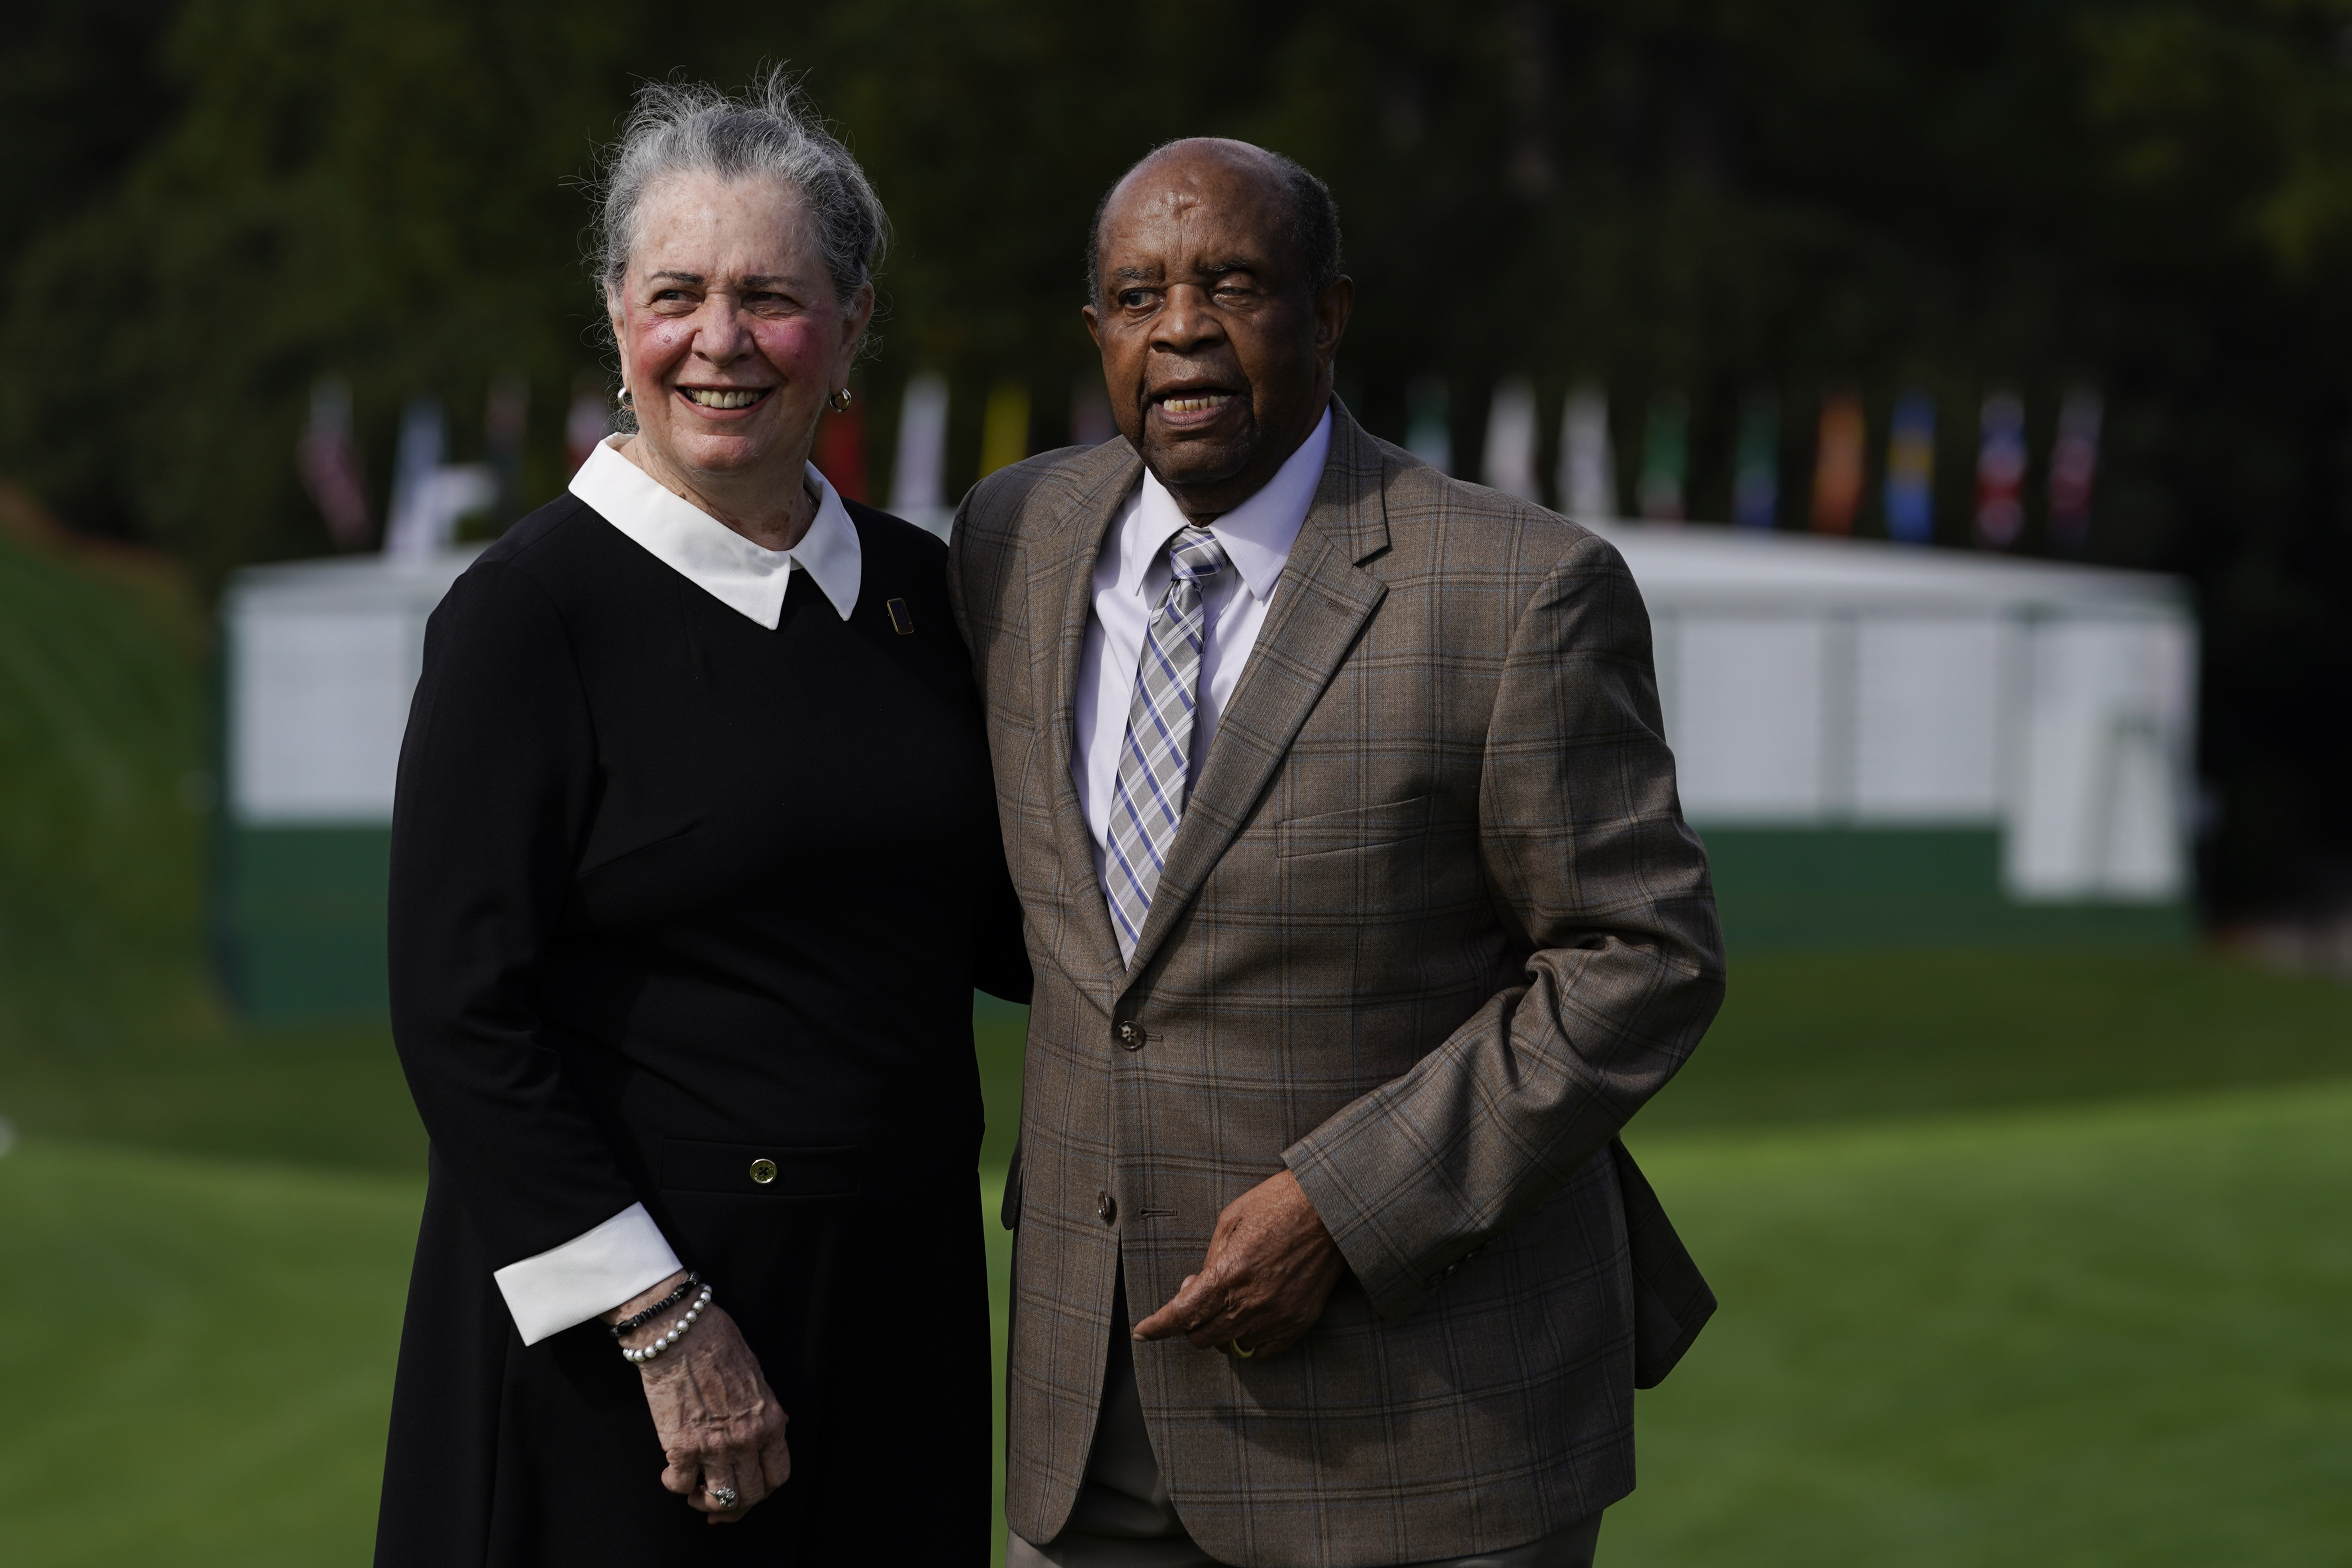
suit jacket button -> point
(1106, 1206)
(763, 1170)
(1130, 1034)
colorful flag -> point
(1427, 433)
(2073, 463)
(1004, 427)
(1837, 463)
(1090, 421)
(1756, 462)
(2001, 470)
(918, 472)
(839, 452)
(588, 421)
(1588, 464)
(328, 458)
(1511, 439)
(506, 421)
(1665, 457)
(409, 525)
(1911, 471)
(428, 495)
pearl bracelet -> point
(677, 1333)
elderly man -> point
(1363, 916)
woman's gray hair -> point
(767, 130)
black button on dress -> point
(688, 911)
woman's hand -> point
(720, 1423)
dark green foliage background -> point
(213, 201)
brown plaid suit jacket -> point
(1431, 930)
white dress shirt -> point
(1131, 578)
(598, 1270)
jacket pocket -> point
(759, 1170)
(598, 857)
(1357, 827)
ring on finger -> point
(1235, 1347)
(725, 1497)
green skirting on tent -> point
(301, 920)
(1907, 886)
(302, 924)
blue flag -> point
(1911, 471)
(1756, 462)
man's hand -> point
(717, 1419)
(1270, 1271)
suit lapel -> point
(1320, 603)
(1061, 583)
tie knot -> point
(1194, 554)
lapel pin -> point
(902, 620)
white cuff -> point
(592, 1273)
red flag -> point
(1838, 464)
(840, 449)
(587, 422)
(2000, 471)
(2073, 463)
(328, 460)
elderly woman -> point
(695, 867)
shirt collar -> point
(1257, 535)
(716, 559)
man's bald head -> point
(1217, 304)
(1310, 217)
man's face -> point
(1216, 357)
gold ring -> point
(1235, 1346)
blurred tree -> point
(2221, 147)
(376, 189)
(81, 92)
(1697, 196)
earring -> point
(626, 399)
(840, 401)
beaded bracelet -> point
(631, 1323)
(677, 1333)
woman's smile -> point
(725, 397)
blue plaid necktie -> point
(1155, 763)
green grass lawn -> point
(2110, 1335)
(2025, 1257)
(1826, 1036)
(198, 1357)
(2084, 1318)
(2084, 1336)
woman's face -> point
(730, 335)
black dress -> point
(671, 893)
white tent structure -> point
(1878, 743)
(1880, 691)
(321, 657)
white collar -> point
(1257, 535)
(712, 556)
